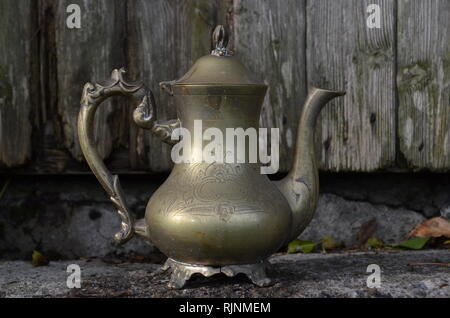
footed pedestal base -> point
(181, 272)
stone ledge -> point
(71, 218)
(295, 275)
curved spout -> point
(301, 186)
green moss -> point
(241, 10)
(373, 59)
(416, 76)
(275, 44)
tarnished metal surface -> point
(301, 185)
(215, 214)
(93, 95)
(220, 42)
(182, 272)
(218, 214)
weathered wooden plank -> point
(18, 82)
(165, 39)
(424, 83)
(89, 54)
(356, 132)
(269, 38)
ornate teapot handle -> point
(93, 96)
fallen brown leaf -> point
(435, 227)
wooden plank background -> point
(395, 115)
(357, 132)
(269, 38)
(166, 38)
(424, 83)
(18, 93)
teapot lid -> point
(220, 72)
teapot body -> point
(217, 213)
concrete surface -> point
(342, 219)
(295, 275)
(69, 218)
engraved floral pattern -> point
(222, 190)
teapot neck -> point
(219, 111)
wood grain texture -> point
(356, 132)
(424, 83)
(292, 45)
(165, 39)
(89, 54)
(18, 84)
(269, 38)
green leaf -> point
(415, 243)
(37, 259)
(301, 246)
(373, 242)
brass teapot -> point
(215, 217)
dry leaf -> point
(435, 227)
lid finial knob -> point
(220, 42)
